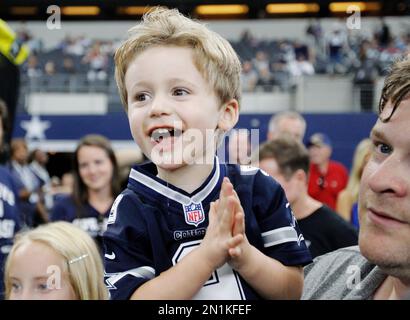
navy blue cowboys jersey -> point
(9, 218)
(153, 225)
(89, 219)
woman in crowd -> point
(346, 204)
(96, 185)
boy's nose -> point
(159, 107)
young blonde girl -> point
(54, 261)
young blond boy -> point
(188, 227)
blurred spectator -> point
(336, 52)
(28, 185)
(68, 66)
(265, 80)
(33, 68)
(383, 35)
(96, 185)
(286, 51)
(4, 147)
(10, 221)
(97, 62)
(301, 50)
(347, 199)
(327, 177)
(50, 68)
(247, 39)
(261, 61)
(336, 45)
(13, 52)
(249, 76)
(290, 122)
(287, 161)
(62, 187)
(300, 67)
(315, 31)
(365, 78)
(38, 161)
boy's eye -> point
(180, 92)
(141, 97)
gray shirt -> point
(342, 274)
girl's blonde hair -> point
(214, 57)
(78, 249)
(360, 158)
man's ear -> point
(229, 115)
(301, 175)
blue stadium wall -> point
(345, 130)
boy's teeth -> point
(177, 132)
(161, 133)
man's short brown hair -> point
(396, 86)
(290, 154)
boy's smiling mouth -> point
(160, 133)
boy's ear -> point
(228, 115)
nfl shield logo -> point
(194, 214)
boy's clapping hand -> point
(219, 239)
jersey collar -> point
(143, 178)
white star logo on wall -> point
(35, 128)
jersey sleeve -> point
(128, 258)
(281, 236)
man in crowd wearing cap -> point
(327, 177)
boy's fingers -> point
(222, 198)
(235, 252)
(226, 217)
(212, 213)
(235, 241)
(239, 223)
(226, 189)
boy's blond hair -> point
(78, 249)
(213, 55)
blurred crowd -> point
(268, 64)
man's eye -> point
(383, 148)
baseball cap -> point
(319, 139)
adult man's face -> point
(291, 126)
(288, 126)
(319, 154)
(385, 195)
(291, 185)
